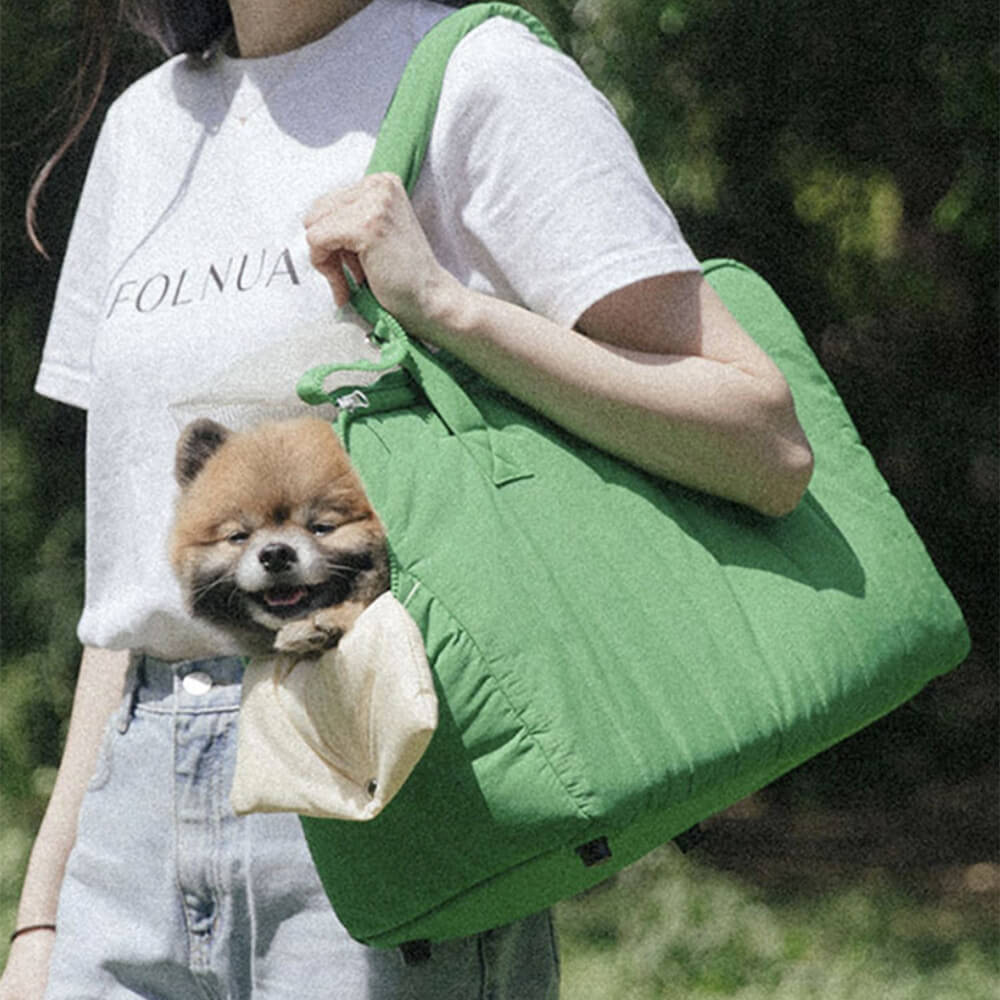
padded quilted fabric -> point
(615, 657)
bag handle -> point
(400, 148)
(444, 392)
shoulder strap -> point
(399, 148)
(406, 128)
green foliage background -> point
(848, 151)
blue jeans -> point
(168, 894)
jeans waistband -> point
(187, 685)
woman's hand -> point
(371, 229)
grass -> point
(671, 927)
(674, 927)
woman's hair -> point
(192, 27)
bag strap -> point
(400, 148)
(406, 128)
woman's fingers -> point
(327, 234)
(332, 265)
(371, 229)
(359, 217)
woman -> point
(534, 249)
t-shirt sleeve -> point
(547, 183)
(65, 370)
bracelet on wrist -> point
(29, 928)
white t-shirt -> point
(188, 253)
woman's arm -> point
(658, 373)
(99, 689)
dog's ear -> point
(199, 441)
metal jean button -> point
(197, 682)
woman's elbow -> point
(791, 462)
(789, 479)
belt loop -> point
(130, 694)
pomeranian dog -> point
(273, 537)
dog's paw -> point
(321, 631)
(308, 637)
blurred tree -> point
(41, 461)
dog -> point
(274, 538)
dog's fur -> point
(274, 538)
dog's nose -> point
(277, 557)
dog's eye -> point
(237, 537)
(321, 528)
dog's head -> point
(271, 524)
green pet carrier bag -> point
(615, 657)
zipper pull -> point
(353, 401)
